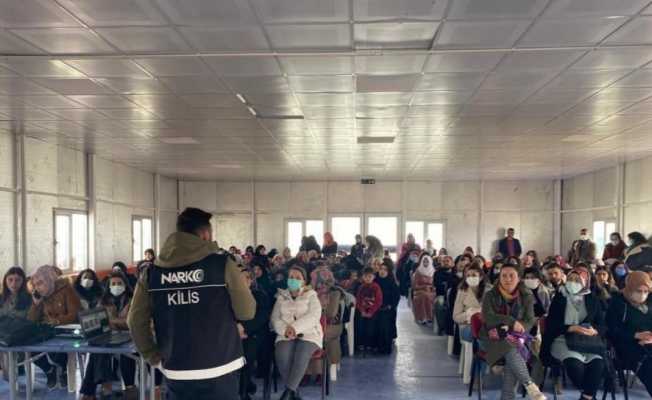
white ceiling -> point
(492, 89)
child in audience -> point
(387, 314)
(369, 299)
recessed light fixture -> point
(375, 139)
(241, 98)
(252, 111)
(179, 140)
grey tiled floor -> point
(419, 369)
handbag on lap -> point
(585, 344)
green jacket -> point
(183, 249)
(492, 304)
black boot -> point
(288, 394)
(51, 375)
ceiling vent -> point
(375, 139)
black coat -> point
(441, 279)
(502, 247)
(638, 257)
(329, 250)
(623, 321)
(555, 326)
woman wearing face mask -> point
(469, 297)
(615, 249)
(423, 291)
(100, 368)
(296, 321)
(89, 289)
(119, 266)
(575, 315)
(619, 272)
(532, 278)
(54, 303)
(629, 322)
(508, 311)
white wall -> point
(58, 178)
(526, 206)
(621, 193)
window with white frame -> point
(141, 236)
(344, 229)
(424, 230)
(296, 229)
(385, 228)
(71, 240)
(601, 231)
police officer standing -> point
(194, 295)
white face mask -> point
(473, 281)
(531, 283)
(639, 297)
(584, 237)
(117, 290)
(574, 287)
(86, 283)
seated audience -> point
(619, 272)
(260, 258)
(54, 303)
(150, 255)
(253, 334)
(442, 277)
(629, 321)
(15, 302)
(296, 321)
(119, 266)
(387, 331)
(330, 245)
(508, 314)
(423, 292)
(556, 278)
(101, 368)
(533, 280)
(575, 316)
(369, 299)
(469, 298)
(614, 250)
(639, 252)
(89, 289)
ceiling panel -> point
(108, 68)
(615, 58)
(593, 8)
(481, 34)
(373, 10)
(243, 66)
(193, 84)
(581, 32)
(144, 39)
(267, 84)
(115, 12)
(386, 83)
(389, 64)
(463, 62)
(174, 66)
(320, 65)
(42, 68)
(395, 35)
(208, 38)
(34, 13)
(290, 11)
(504, 9)
(208, 12)
(323, 83)
(13, 44)
(133, 85)
(65, 40)
(451, 81)
(309, 36)
(19, 86)
(72, 86)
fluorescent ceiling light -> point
(375, 139)
(227, 166)
(241, 98)
(252, 111)
(179, 140)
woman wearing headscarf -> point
(54, 303)
(119, 266)
(287, 254)
(260, 258)
(330, 245)
(508, 314)
(89, 289)
(332, 299)
(576, 318)
(423, 291)
(629, 322)
(387, 314)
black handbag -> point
(19, 332)
(585, 344)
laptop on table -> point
(96, 330)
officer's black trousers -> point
(223, 388)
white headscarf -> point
(428, 271)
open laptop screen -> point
(94, 322)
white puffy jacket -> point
(302, 313)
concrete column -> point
(20, 139)
(92, 209)
(157, 212)
(479, 248)
(620, 198)
(254, 222)
(556, 223)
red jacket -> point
(369, 298)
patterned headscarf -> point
(48, 274)
(323, 280)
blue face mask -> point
(294, 285)
(620, 272)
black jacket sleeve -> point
(260, 321)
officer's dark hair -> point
(192, 220)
